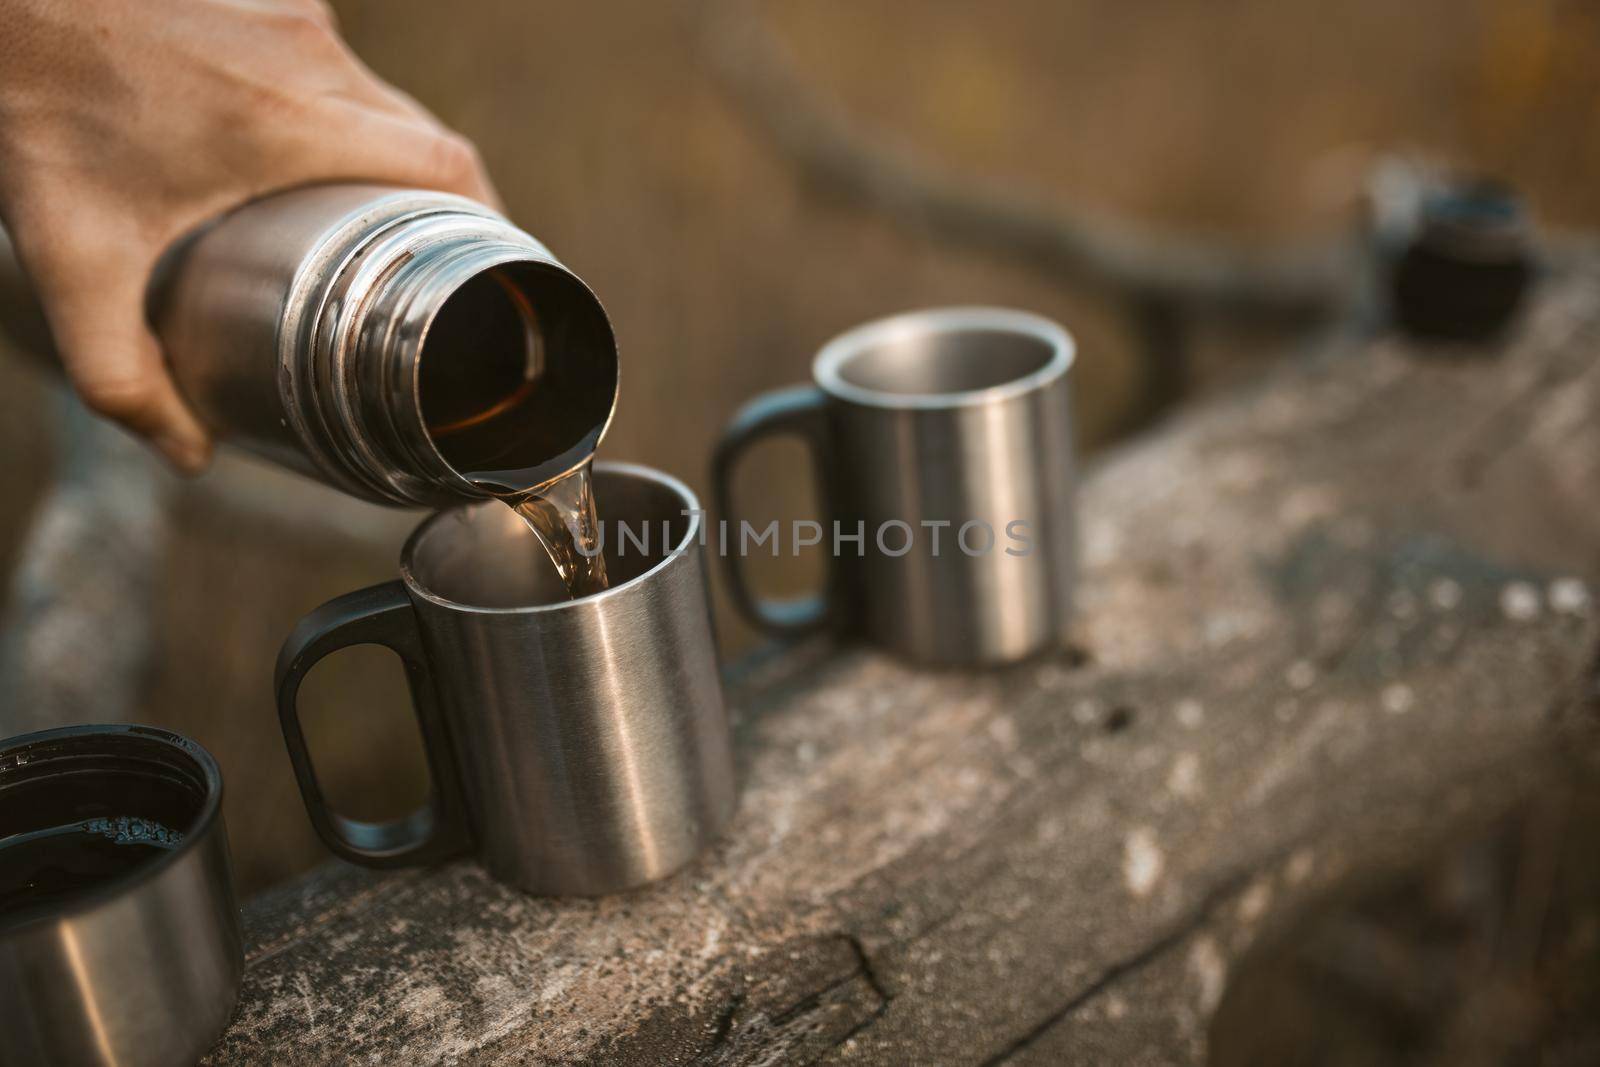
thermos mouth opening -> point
(516, 376)
(483, 558)
(944, 358)
(130, 784)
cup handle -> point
(798, 411)
(380, 615)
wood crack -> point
(1127, 965)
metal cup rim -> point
(690, 536)
(826, 369)
(210, 811)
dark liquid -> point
(562, 516)
(68, 833)
(53, 865)
(518, 422)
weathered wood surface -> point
(1323, 621)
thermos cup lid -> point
(93, 764)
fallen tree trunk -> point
(1324, 621)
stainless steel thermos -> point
(363, 335)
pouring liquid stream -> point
(562, 516)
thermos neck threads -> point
(452, 356)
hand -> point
(124, 125)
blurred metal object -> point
(948, 431)
(1458, 254)
(295, 327)
(144, 969)
(1464, 274)
(584, 742)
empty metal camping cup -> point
(577, 746)
(942, 446)
(119, 931)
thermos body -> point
(296, 326)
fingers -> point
(443, 159)
(402, 146)
(453, 164)
(440, 158)
(116, 365)
(402, 137)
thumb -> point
(115, 362)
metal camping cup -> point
(119, 932)
(578, 746)
(942, 447)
